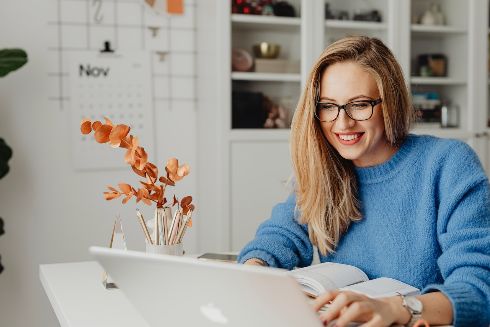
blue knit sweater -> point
(426, 222)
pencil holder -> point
(173, 249)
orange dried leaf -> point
(149, 186)
(142, 193)
(172, 165)
(126, 142)
(86, 126)
(186, 201)
(141, 158)
(125, 188)
(155, 196)
(96, 125)
(151, 171)
(108, 121)
(189, 209)
(189, 223)
(130, 156)
(141, 173)
(144, 196)
(112, 188)
(111, 195)
(118, 133)
(183, 170)
(175, 177)
(102, 133)
(176, 201)
(166, 181)
(127, 198)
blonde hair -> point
(326, 186)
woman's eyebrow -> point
(351, 99)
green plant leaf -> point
(5, 155)
(11, 59)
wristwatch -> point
(414, 306)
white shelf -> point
(436, 29)
(352, 24)
(264, 22)
(267, 77)
(436, 81)
(259, 134)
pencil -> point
(143, 225)
(156, 228)
(173, 227)
(182, 232)
(167, 215)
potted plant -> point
(10, 60)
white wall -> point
(52, 212)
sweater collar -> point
(388, 168)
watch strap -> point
(415, 316)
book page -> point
(328, 276)
(382, 287)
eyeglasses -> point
(356, 110)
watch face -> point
(414, 304)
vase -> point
(172, 249)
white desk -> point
(79, 299)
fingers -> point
(342, 300)
(353, 313)
(323, 299)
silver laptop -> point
(183, 291)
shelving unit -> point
(437, 30)
(417, 80)
(253, 160)
(334, 29)
(249, 21)
(355, 25)
(262, 152)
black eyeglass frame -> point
(373, 103)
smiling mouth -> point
(350, 138)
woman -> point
(369, 194)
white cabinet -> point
(259, 175)
(244, 167)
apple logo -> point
(213, 313)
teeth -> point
(349, 137)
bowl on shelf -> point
(266, 50)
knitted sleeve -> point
(280, 241)
(463, 229)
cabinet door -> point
(259, 172)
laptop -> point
(185, 291)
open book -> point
(328, 276)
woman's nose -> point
(343, 121)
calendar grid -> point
(120, 30)
(79, 30)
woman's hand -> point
(348, 307)
(255, 262)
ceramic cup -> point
(174, 249)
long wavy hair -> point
(326, 186)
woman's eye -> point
(360, 105)
(327, 106)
